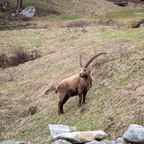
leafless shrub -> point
(18, 57)
(77, 23)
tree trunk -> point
(19, 5)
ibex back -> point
(78, 84)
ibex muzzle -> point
(78, 84)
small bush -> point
(18, 57)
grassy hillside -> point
(116, 98)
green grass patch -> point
(141, 95)
(123, 34)
(124, 14)
(67, 18)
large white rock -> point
(59, 129)
(134, 134)
(29, 11)
(82, 137)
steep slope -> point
(115, 100)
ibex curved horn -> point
(95, 56)
(81, 60)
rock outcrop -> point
(82, 137)
(68, 133)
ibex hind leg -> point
(62, 101)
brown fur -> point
(78, 84)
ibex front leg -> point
(84, 97)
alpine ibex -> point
(78, 84)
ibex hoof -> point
(84, 103)
(59, 113)
(79, 105)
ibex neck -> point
(88, 80)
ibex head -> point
(85, 71)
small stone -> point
(134, 134)
(61, 141)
